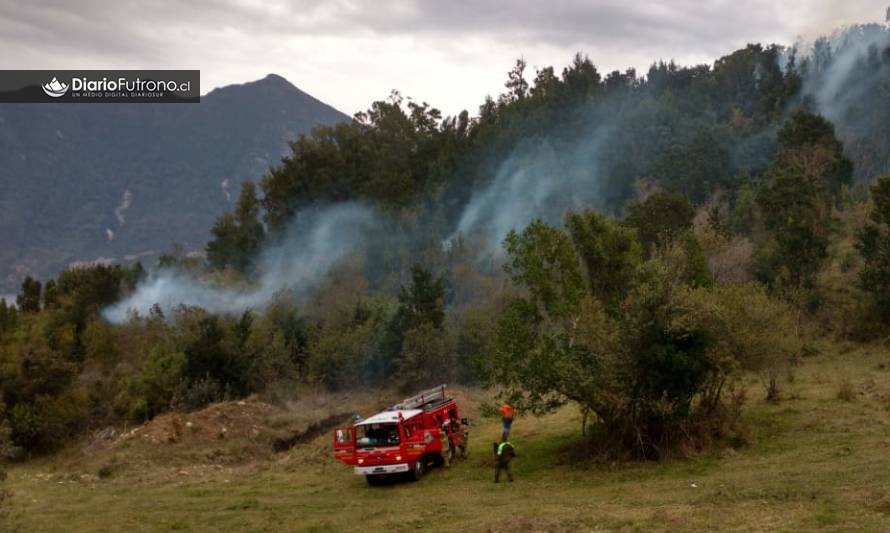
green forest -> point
(628, 243)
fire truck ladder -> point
(422, 400)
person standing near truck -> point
(447, 444)
(507, 415)
(504, 454)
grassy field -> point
(820, 461)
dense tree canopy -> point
(607, 294)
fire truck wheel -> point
(451, 453)
(419, 469)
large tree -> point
(874, 245)
(808, 147)
(419, 317)
(804, 181)
(796, 216)
(660, 218)
(237, 236)
(28, 300)
(550, 341)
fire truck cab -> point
(407, 438)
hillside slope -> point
(817, 461)
(80, 182)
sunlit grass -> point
(816, 463)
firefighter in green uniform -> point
(504, 454)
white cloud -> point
(350, 52)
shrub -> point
(160, 383)
(35, 380)
(343, 356)
(747, 329)
(200, 392)
(100, 343)
(427, 358)
(475, 338)
(660, 218)
(654, 369)
(270, 356)
(873, 244)
(46, 422)
(686, 261)
(5, 496)
(8, 449)
(635, 370)
(214, 349)
(347, 349)
(421, 302)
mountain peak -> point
(275, 78)
(271, 82)
(178, 163)
(271, 86)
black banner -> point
(100, 86)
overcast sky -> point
(347, 53)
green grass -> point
(817, 463)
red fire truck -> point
(409, 437)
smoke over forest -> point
(687, 261)
(634, 133)
(316, 241)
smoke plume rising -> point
(314, 243)
(538, 180)
(543, 177)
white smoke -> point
(846, 77)
(126, 200)
(109, 234)
(314, 243)
(537, 181)
(833, 88)
(224, 185)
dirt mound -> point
(226, 433)
(246, 433)
(227, 420)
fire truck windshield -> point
(372, 435)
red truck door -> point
(344, 445)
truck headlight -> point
(360, 461)
(398, 457)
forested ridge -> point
(630, 244)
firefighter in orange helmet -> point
(507, 415)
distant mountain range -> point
(87, 182)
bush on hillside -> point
(748, 330)
(653, 374)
